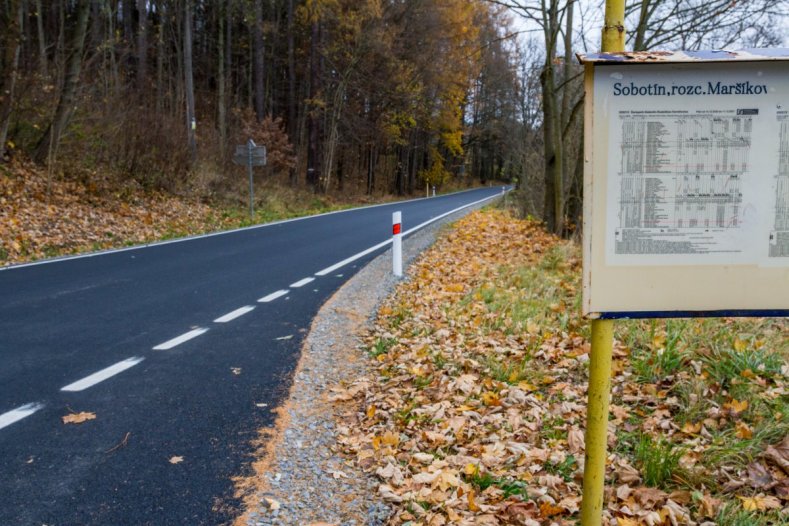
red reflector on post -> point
(396, 229)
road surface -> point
(180, 349)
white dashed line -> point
(273, 296)
(302, 282)
(100, 376)
(230, 316)
(180, 339)
(15, 415)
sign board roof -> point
(686, 188)
(674, 57)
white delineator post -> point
(397, 244)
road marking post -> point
(397, 244)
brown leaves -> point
(78, 418)
(760, 502)
(36, 222)
(476, 412)
(779, 454)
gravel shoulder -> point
(299, 476)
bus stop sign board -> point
(686, 184)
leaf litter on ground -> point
(476, 412)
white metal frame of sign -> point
(686, 184)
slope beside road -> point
(181, 350)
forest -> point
(350, 97)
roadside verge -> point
(300, 476)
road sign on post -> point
(250, 155)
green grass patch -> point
(658, 460)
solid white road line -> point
(363, 253)
(273, 296)
(222, 233)
(329, 270)
(302, 282)
(15, 415)
(169, 344)
(100, 376)
(230, 316)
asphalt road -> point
(181, 349)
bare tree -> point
(259, 65)
(692, 24)
(142, 44)
(191, 122)
(10, 64)
(51, 138)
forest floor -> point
(475, 411)
(41, 218)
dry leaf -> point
(743, 430)
(760, 502)
(736, 406)
(78, 418)
(472, 506)
(176, 460)
(271, 504)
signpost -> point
(251, 155)
(686, 198)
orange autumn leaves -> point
(40, 220)
(476, 409)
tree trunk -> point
(191, 122)
(554, 202)
(42, 41)
(160, 59)
(258, 59)
(221, 100)
(291, 76)
(12, 46)
(51, 137)
(639, 44)
(142, 44)
(313, 172)
(370, 170)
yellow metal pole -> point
(614, 27)
(597, 422)
(602, 343)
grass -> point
(510, 487)
(565, 469)
(658, 460)
(732, 514)
(678, 380)
(381, 346)
(507, 371)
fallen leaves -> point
(72, 217)
(176, 459)
(760, 502)
(78, 418)
(476, 412)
